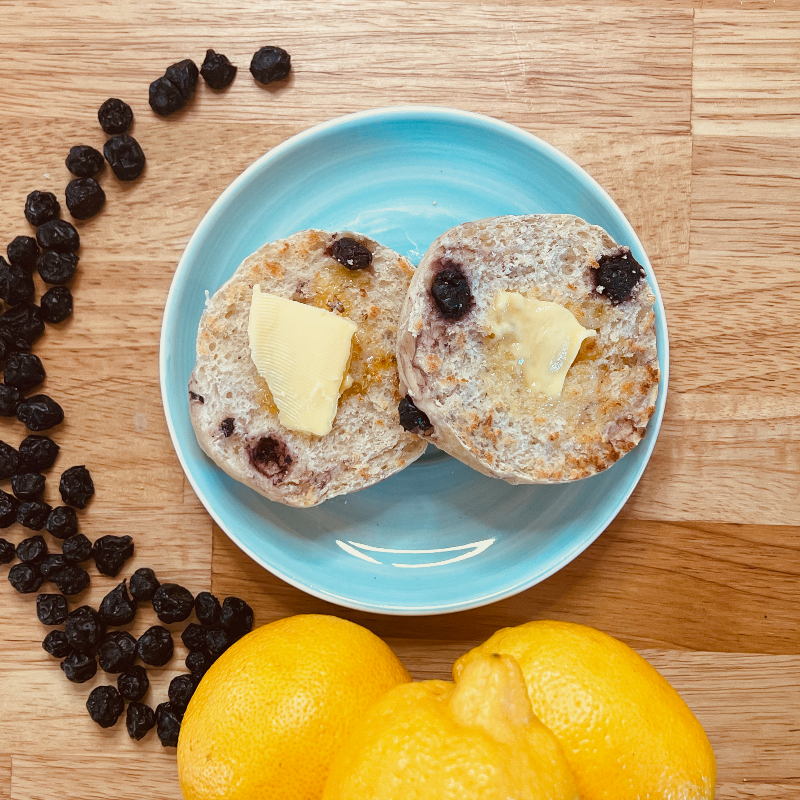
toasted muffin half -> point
(467, 382)
(233, 411)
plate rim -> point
(395, 113)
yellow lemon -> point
(271, 712)
(477, 738)
(626, 732)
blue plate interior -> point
(439, 536)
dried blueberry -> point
(125, 156)
(25, 578)
(9, 505)
(271, 457)
(56, 644)
(23, 252)
(139, 719)
(32, 550)
(270, 64)
(24, 371)
(41, 207)
(172, 603)
(77, 549)
(194, 637)
(226, 426)
(27, 485)
(57, 268)
(217, 641)
(181, 689)
(9, 461)
(207, 608)
(84, 161)
(16, 284)
(37, 453)
(183, 74)
(117, 607)
(58, 234)
(20, 327)
(33, 514)
(144, 584)
(85, 197)
(617, 275)
(51, 608)
(117, 652)
(40, 412)
(62, 522)
(104, 706)
(168, 721)
(155, 646)
(134, 683)
(56, 304)
(7, 551)
(76, 486)
(198, 663)
(351, 254)
(217, 71)
(79, 667)
(451, 292)
(111, 552)
(411, 418)
(72, 580)
(237, 617)
(9, 400)
(52, 564)
(84, 628)
(115, 116)
(165, 97)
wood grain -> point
(685, 110)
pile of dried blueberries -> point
(83, 637)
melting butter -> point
(545, 338)
(303, 353)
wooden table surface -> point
(687, 112)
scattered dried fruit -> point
(56, 304)
(79, 667)
(114, 116)
(117, 652)
(52, 564)
(85, 197)
(41, 207)
(23, 252)
(208, 609)
(72, 580)
(411, 418)
(24, 371)
(84, 161)
(134, 683)
(9, 398)
(33, 514)
(56, 644)
(451, 292)
(20, 327)
(25, 578)
(198, 663)
(181, 689)
(183, 74)
(84, 629)
(616, 276)
(51, 608)
(7, 551)
(16, 284)
(173, 603)
(270, 64)
(237, 618)
(111, 552)
(76, 549)
(351, 254)
(38, 453)
(9, 461)
(139, 719)
(104, 705)
(194, 637)
(217, 71)
(57, 268)
(40, 412)
(168, 720)
(28, 485)
(9, 505)
(144, 584)
(117, 607)
(155, 646)
(32, 550)
(76, 486)
(125, 156)
(217, 641)
(58, 234)
(62, 522)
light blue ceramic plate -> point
(439, 536)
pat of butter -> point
(302, 352)
(545, 338)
